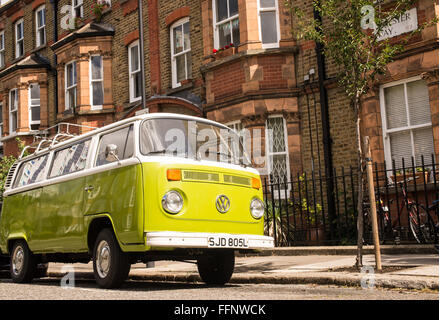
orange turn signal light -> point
(256, 183)
(173, 174)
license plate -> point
(227, 242)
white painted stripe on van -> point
(185, 161)
(75, 175)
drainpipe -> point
(327, 141)
(142, 55)
(55, 58)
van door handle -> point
(89, 188)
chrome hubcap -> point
(17, 260)
(103, 260)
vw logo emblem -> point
(222, 203)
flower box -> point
(225, 52)
(409, 177)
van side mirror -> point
(111, 153)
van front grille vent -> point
(200, 176)
(237, 180)
(8, 182)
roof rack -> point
(43, 142)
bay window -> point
(34, 106)
(71, 83)
(268, 22)
(13, 111)
(277, 150)
(226, 23)
(96, 82)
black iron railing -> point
(297, 214)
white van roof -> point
(118, 124)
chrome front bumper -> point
(172, 239)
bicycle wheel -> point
(368, 232)
(422, 229)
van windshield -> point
(191, 139)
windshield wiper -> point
(156, 152)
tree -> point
(6, 163)
(351, 35)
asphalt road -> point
(50, 289)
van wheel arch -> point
(95, 227)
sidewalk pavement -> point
(406, 269)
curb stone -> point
(321, 278)
(342, 250)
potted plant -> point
(78, 22)
(98, 9)
(420, 175)
(225, 51)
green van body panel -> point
(56, 218)
(200, 186)
(119, 193)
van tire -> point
(23, 266)
(217, 268)
(111, 265)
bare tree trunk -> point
(360, 222)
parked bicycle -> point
(384, 221)
(421, 223)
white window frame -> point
(131, 73)
(77, 4)
(31, 120)
(271, 9)
(270, 154)
(174, 56)
(38, 28)
(387, 132)
(11, 110)
(101, 79)
(2, 49)
(216, 24)
(73, 86)
(19, 41)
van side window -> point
(31, 171)
(70, 159)
(123, 139)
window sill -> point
(132, 104)
(37, 49)
(185, 85)
(19, 134)
(244, 54)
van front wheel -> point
(217, 268)
(111, 265)
(23, 264)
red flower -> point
(227, 47)
(215, 51)
(232, 45)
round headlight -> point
(257, 208)
(172, 202)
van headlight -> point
(172, 202)
(257, 208)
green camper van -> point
(152, 187)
